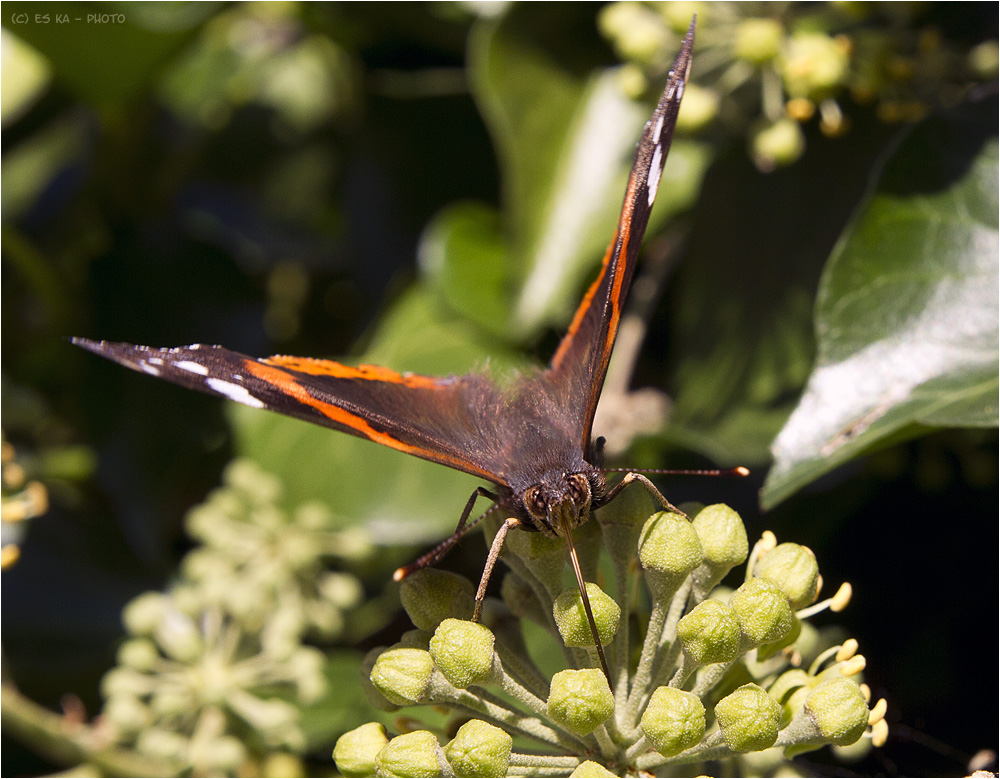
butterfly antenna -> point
(441, 549)
(586, 604)
(727, 472)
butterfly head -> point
(558, 503)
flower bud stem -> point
(712, 747)
(521, 669)
(442, 691)
(516, 691)
(640, 747)
(654, 636)
(662, 661)
(560, 762)
(710, 678)
(608, 748)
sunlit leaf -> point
(907, 313)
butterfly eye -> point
(535, 502)
(579, 489)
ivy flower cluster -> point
(215, 671)
(711, 675)
(769, 69)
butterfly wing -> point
(581, 361)
(437, 419)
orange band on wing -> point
(366, 372)
(288, 385)
(581, 310)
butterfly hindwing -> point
(433, 418)
(581, 361)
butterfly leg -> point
(650, 488)
(441, 549)
(491, 560)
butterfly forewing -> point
(366, 401)
(581, 361)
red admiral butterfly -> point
(531, 440)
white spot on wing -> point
(659, 128)
(155, 361)
(655, 171)
(147, 368)
(234, 392)
(192, 367)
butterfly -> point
(531, 439)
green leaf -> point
(565, 134)
(463, 255)
(906, 317)
(107, 53)
(398, 497)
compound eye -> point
(579, 489)
(534, 501)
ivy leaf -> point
(906, 316)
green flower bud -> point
(813, 65)
(764, 651)
(699, 108)
(414, 639)
(793, 568)
(430, 595)
(668, 550)
(534, 547)
(375, 698)
(580, 699)
(637, 32)
(139, 654)
(984, 59)
(722, 535)
(222, 755)
(171, 701)
(777, 145)
(144, 613)
(678, 14)
(162, 744)
(588, 769)
(723, 539)
(341, 589)
(710, 633)
(673, 721)
(412, 754)
(402, 675)
(479, 749)
(127, 713)
(748, 718)
(125, 681)
(762, 610)
(356, 750)
(178, 635)
(758, 40)
(463, 651)
(839, 710)
(571, 618)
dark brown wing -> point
(450, 420)
(581, 361)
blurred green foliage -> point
(431, 186)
